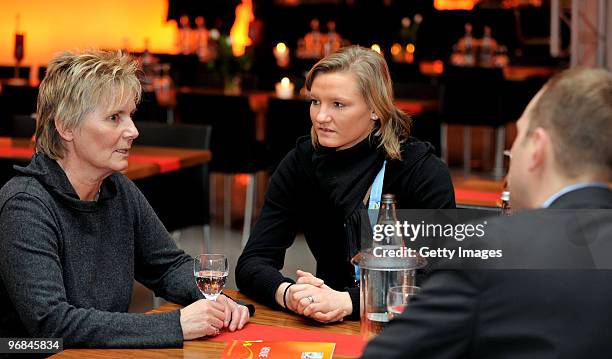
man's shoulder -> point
(590, 197)
(543, 220)
(554, 238)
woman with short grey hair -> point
(75, 232)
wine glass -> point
(398, 298)
(210, 271)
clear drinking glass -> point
(210, 271)
(398, 299)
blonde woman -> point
(318, 189)
(75, 233)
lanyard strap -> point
(373, 203)
(376, 195)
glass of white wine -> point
(210, 271)
(398, 299)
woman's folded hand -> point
(318, 301)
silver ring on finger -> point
(310, 299)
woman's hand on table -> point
(236, 315)
(320, 302)
(285, 294)
(326, 306)
(202, 318)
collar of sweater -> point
(49, 173)
(345, 175)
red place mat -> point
(464, 194)
(346, 344)
(12, 152)
(166, 164)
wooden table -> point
(203, 348)
(144, 161)
(477, 192)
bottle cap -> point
(388, 198)
(505, 196)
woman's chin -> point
(328, 143)
(120, 166)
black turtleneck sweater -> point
(67, 266)
(319, 192)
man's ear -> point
(540, 148)
(65, 134)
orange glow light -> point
(410, 48)
(431, 68)
(376, 48)
(241, 179)
(508, 4)
(396, 49)
(52, 27)
(281, 47)
(240, 30)
(454, 4)
(438, 67)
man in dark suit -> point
(561, 159)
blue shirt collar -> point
(571, 188)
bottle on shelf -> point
(488, 48)
(19, 49)
(467, 46)
(313, 41)
(333, 40)
(147, 61)
(202, 39)
(184, 35)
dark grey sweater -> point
(67, 266)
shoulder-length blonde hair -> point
(375, 85)
(75, 84)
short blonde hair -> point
(77, 83)
(576, 107)
(375, 85)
